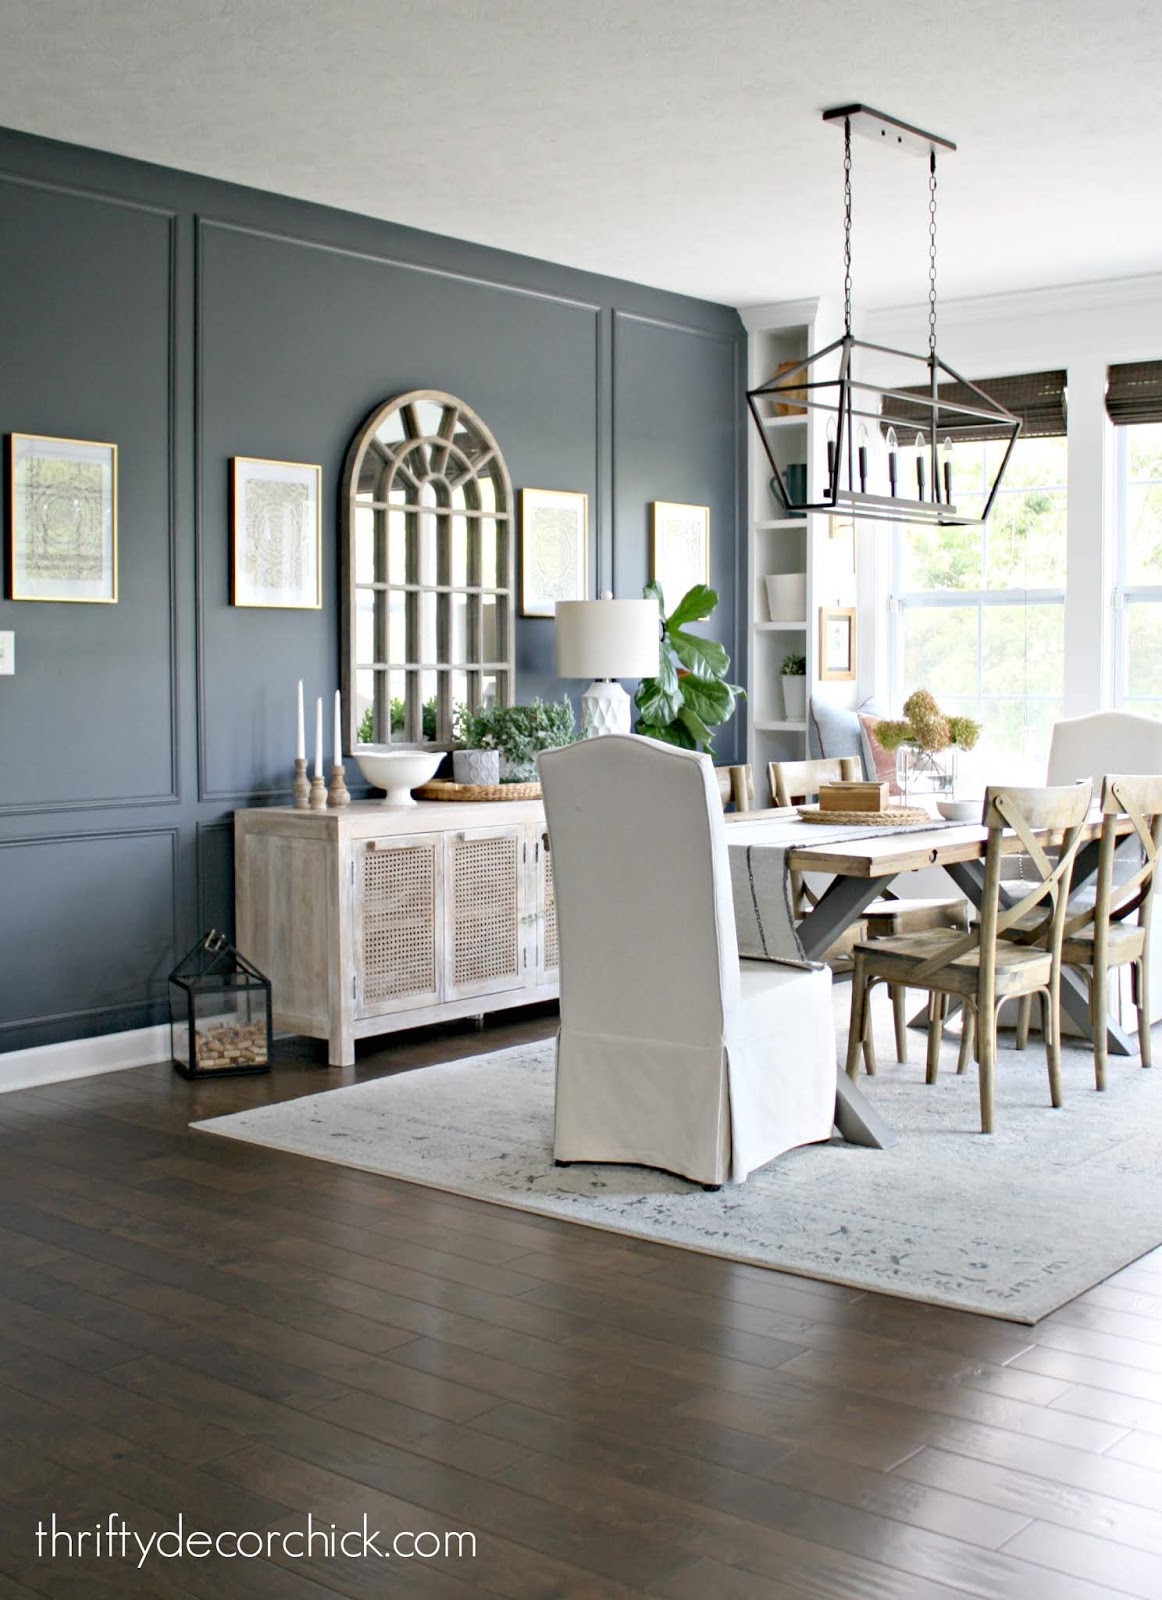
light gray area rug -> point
(1012, 1225)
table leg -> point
(857, 1119)
(837, 908)
(840, 904)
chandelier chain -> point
(932, 252)
(847, 225)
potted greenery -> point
(690, 694)
(476, 759)
(926, 743)
(514, 735)
(793, 671)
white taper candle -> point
(319, 737)
(338, 730)
(301, 741)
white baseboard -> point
(83, 1058)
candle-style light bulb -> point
(920, 466)
(893, 460)
(863, 458)
(831, 451)
(947, 447)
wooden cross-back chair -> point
(983, 967)
(1099, 936)
(735, 786)
(794, 781)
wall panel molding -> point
(132, 798)
(121, 836)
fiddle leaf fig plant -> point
(690, 695)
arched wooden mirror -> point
(428, 571)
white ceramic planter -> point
(476, 766)
(795, 697)
(787, 596)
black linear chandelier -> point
(919, 421)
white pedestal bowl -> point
(398, 771)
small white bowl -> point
(960, 810)
(397, 771)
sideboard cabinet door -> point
(548, 950)
(397, 929)
(484, 876)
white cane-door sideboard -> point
(370, 919)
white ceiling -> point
(676, 142)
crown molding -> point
(1061, 300)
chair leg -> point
(935, 1036)
(986, 1046)
(858, 1021)
(900, 1017)
(1024, 1016)
(869, 1038)
(1051, 1027)
(1141, 981)
(967, 1029)
(1098, 1001)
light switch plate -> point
(7, 654)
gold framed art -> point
(276, 534)
(837, 642)
(554, 549)
(679, 548)
(61, 520)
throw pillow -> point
(876, 760)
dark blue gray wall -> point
(189, 321)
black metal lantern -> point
(220, 1012)
(918, 415)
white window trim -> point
(1126, 594)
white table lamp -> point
(605, 640)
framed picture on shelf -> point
(837, 642)
(554, 549)
(679, 548)
(62, 519)
(276, 534)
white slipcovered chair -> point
(672, 1052)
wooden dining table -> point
(861, 868)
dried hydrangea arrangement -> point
(925, 726)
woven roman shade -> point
(1038, 398)
(1134, 392)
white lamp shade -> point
(608, 638)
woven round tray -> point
(891, 818)
(438, 789)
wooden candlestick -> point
(318, 800)
(301, 787)
(337, 794)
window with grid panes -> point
(429, 552)
(979, 612)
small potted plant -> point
(793, 671)
(476, 760)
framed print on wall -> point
(679, 548)
(837, 642)
(276, 534)
(554, 549)
(62, 519)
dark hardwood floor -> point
(198, 1327)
